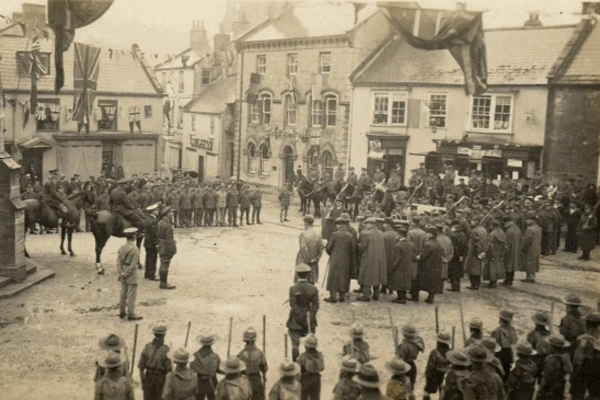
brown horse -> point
(39, 212)
(105, 224)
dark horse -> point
(39, 212)
(309, 192)
(105, 224)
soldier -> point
(412, 344)
(185, 205)
(127, 262)
(477, 248)
(364, 181)
(358, 348)
(537, 337)
(311, 248)
(512, 258)
(256, 199)
(111, 343)
(587, 232)
(368, 379)
(448, 248)
(121, 204)
(150, 241)
(210, 206)
(481, 382)
(586, 360)
(373, 269)
(311, 365)
(166, 246)
(304, 299)
(506, 336)
(398, 388)
(339, 174)
(206, 365)
(198, 206)
(459, 370)
(352, 178)
(476, 330)
(234, 386)
(521, 379)
(416, 235)
(221, 201)
(572, 325)
(460, 247)
(51, 197)
(182, 383)
(287, 387)
(154, 364)
(429, 272)
(556, 367)
(437, 365)
(341, 249)
(233, 200)
(284, 203)
(493, 348)
(530, 249)
(390, 240)
(113, 385)
(346, 388)
(404, 271)
(493, 268)
(256, 364)
(245, 204)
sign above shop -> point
(201, 143)
(511, 162)
(479, 152)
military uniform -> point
(311, 249)
(127, 263)
(120, 203)
(206, 364)
(114, 387)
(256, 368)
(483, 384)
(166, 248)
(586, 366)
(552, 385)
(256, 199)
(234, 388)
(51, 197)
(233, 200)
(346, 389)
(304, 298)
(361, 350)
(409, 350)
(154, 366)
(181, 384)
(521, 380)
(150, 243)
(311, 364)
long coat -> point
(418, 237)
(477, 245)
(494, 260)
(373, 268)
(531, 248)
(587, 232)
(512, 258)
(429, 273)
(404, 271)
(390, 239)
(164, 237)
(460, 245)
(341, 248)
(446, 244)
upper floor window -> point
(389, 109)
(492, 113)
(316, 113)
(108, 115)
(261, 64)
(325, 62)
(193, 122)
(47, 115)
(252, 158)
(330, 110)
(437, 110)
(260, 112)
(292, 64)
(181, 82)
(205, 76)
(290, 109)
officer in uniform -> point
(51, 197)
(206, 364)
(150, 242)
(166, 247)
(120, 203)
(364, 181)
(352, 178)
(154, 364)
(304, 299)
(256, 364)
(127, 262)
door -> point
(107, 155)
(200, 169)
(33, 162)
(288, 163)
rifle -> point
(552, 317)
(187, 335)
(412, 194)
(462, 324)
(454, 205)
(229, 338)
(491, 211)
(453, 335)
(135, 335)
(308, 321)
(394, 332)
(437, 321)
(285, 345)
(264, 351)
(325, 275)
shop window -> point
(292, 64)
(261, 64)
(264, 159)
(330, 110)
(492, 113)
(47, 115)
(389, 109)
(437, 110)
(290, 109)
(107, 120)
(252, 158)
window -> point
(491, 113)
(260, 111)
(437, 110)
(181, 82)
(205, 76)
(193, 122)
(328, 162)
(47, 115)
(255, 113)
(325, 63)
(252, 158)
(107, 120)
(330, 110)
(313, 156)
(175, 155)
(383, 114)
(290, 109)
(264, 159)
(292, 64)
(261, 64)
(212, 126)
(316, 113)
(148, 111)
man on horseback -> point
(352, 178)
(51, 197)
(121, 204)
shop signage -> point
(479, 153)
(511, 162)
(201, 143)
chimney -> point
(460, 6)
(240, 25)
(198, 41)
(590, 7)
(534, 20)
(33, 14)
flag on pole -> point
(85, 81)
(37, 67)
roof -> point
(176, 62)
(120, 71)
(215, 98)
(310, 20)
(515, 56)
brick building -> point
(572, 145)
(301, 116)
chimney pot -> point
(460, 6)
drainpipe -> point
(239, 151)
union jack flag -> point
(85, 81)
(37, 66)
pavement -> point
(49, 334)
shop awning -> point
(36, 143)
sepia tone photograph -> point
(300, 200)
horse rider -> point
(121, 204)
(364, 181)
(51, 197)
(378, 182)
(352, 178)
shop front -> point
(388, 152)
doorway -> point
(200, 169)
(288, 163)
(33, 162)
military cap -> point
(112, 360)
(308, 219)
(409, 330)
(289, 368)
(357, 331)
(349, 364)
(180, 356)
(525, 349)
(160, 330)
(491, 344)
(311, 341)
(343, 219)
(476, 323)
(573, 300)
(165, 210)
(130, 231)
(249, 335)
(303, 268)
(111, 342)
(592, 317)
(233, 365)
(367, 376)
(397, 366)
(206, 340)
(444, 337)
(458, 357)
(541, 318)
(152, 207)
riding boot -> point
(163, 280)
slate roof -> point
(176, 62)
(515, 56)
(310, 20)
(215, 98)
(119, 72)
(582, 56)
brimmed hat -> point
(349, 364)
(159, 330)
(343, 219)
(541, 318)
(367, 376)
(303, 268)
(557, 340)
(476, 323)
(249, 334)
(233, 365)
(289, 368)
(525, 349)
(309, 219)
(311, 341)
(111, 342)
(573, 300)
(491, 344)
(397, 366)
(112, 360)
(458, 357)
(478, 354)
(357, 331)
(409, 330)
(506, 315)
(206, 340)
(592, 317)
(180, 356)
(444, 337)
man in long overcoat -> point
(512, 257)
(587, 232)
(530, 249)
(341, 249)
(390, 239)
(494, 260)
(477, 247)
(455, 264)
(402, 273)
(429, 270)
(373, 269)
(572, 218)
(416, 235)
